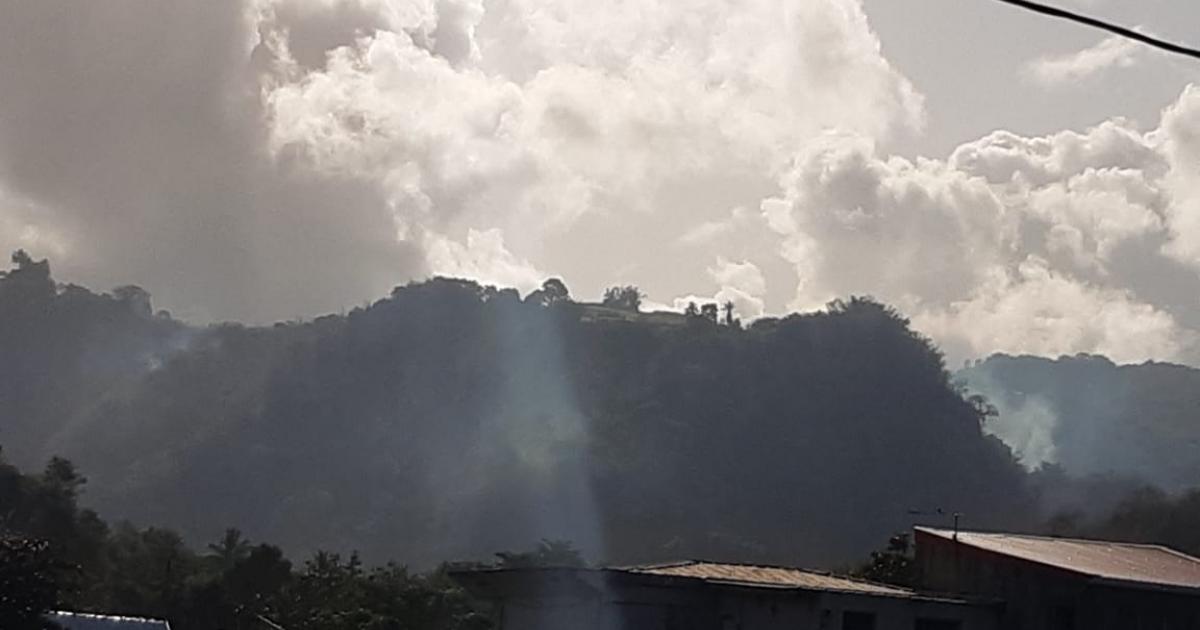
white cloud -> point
(483, 257)
(739, 282)
(1180, 137)
(1034, 309)
(1111, 53)
(1073, 242)
(743, 284)
(571, 119)
(262, 159)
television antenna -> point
(940, 512)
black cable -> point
(1112, 28)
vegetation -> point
(452, 419)
(54, 555)
(627, 298)
(1147, 515)
(892, 565)
(1090, 416)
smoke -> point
(1026, 421)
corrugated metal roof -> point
(85, 621)
(777, 577)
(1126, 562)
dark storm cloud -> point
(137, 130)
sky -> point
(1010, 182)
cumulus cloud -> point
(584, 133)
(260, 159)
(1111, 53)
(740, 283)
(1034, 309)
(743, 284)
(1073, 242)
(266, 159)
(484, 258)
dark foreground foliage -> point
(54, 555)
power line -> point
(1112, 28)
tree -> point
(709, 312)
(134, 297)
(627, 298)
(730, 320)
(30, 281)
(893, 565)
(28, 587)
(553, 291)
(61, 477)
(230, 550)
(548, 553)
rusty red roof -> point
(1126, 562)
(768, 576)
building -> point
(712, 596)
(85, 621)
(1064, 584)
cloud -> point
(739, 282)
(483, 258)
(1072, 242)
(743, 284)
(268, 159)
(1181, 147)
(136, 130)
(587, 134)
(264, 159)
(1034, 309)
(1111, 53)
(710, 233)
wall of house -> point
(614, 608)
(754, 609)
(1038, 597)
(1112, 608)
(906, 614)
(1031, 593)
(731, 608)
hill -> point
(451, 420)
(1093, 417)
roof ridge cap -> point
(759, 565)
(69, 613)
(1050, 537)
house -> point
(85, 621)
(1064, 584)
(712, 596)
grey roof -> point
(768, 576)
(1152, 565)
(86, 621)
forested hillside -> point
(451, 420)
(1093, 417)
(55, 555)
